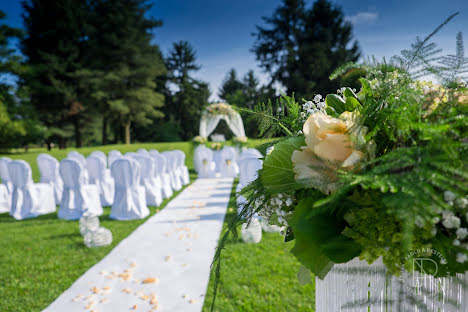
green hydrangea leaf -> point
(349, 93)
(277, 174)
(336, 102)
(318, 239)
(351, 104)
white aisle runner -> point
(164, 265)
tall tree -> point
(124, 65)
(301, 47)
(56, 36)
(246, 92)
(190, 95)
(231, 84)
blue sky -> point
(220, 30)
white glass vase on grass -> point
(251, 232)
(94, 235)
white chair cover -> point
(100, 155)
(171, 166)
(153, 152)
(5, 199)
(82, 161)
(49, 170)
(182, 168)
(29, 200)
(217, 159)
(143, 152)
(4, 161)
(129, 200)
(113, 155)
(161, 174)
(248, 172)
(78, 198)
(148, 181)
(204, 161)
(228, 166)
(101, 177)
(250, 153)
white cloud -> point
(362, 17)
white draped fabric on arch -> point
(214, 113)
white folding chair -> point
(204, 161)
(78, 198)
(182, 168)
(228, 166)
(130, 199)
(148, 181)
(171, 163)
(248, 172)
(143, 152)
(162, 175)
(49, 170)
(101, 177)
(100, 155)
(4, 161)
(113, 155)
(29, 199)
(82, 161)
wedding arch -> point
(214, 113)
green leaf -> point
(277, 174)
(349, 93)
(351, 104)
(318, 239)
(336, 102)
(303, 276)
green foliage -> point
(302, 46)
(283, 118)
(245, 93)
(185, 96)
(277, 174)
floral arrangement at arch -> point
(380, 172)
(220, 109)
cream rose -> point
(331, 144)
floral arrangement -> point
(219, 109)
(239, 141)
(200, 140)
(377, 173)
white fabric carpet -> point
(164, 265)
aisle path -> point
(164, 265)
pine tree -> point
(302, 46)
(56, 35)
(231, 84)
(185, 104)
(124, 65)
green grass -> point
(258, 277)
(41, 257)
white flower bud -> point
(461, 257)
(456, 242)
(461, 203)
(288, 202)
(449, 196)
(451, 222)
(462, 233)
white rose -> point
(331, 144)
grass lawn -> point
(42, 257)
(259, 277)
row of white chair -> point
(85, 185)
(222, 163)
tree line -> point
(90, 73)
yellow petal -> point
(353, 159)
(335, 147)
